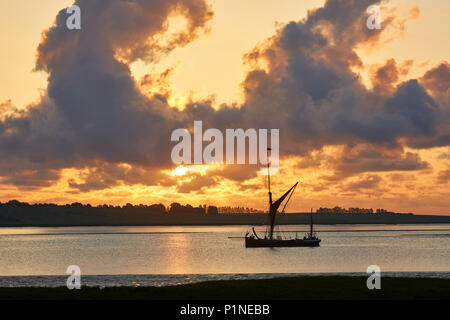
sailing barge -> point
(253, 240)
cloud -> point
(368, 159)
(444, 156)
(443, 176)
(399, 177)
(376, 160)
(302, 79)
(437, 83)
(105, 175)
(385, 77)
(437, 79)
(236, 173)
(366, 182)
(94, 109)
(95, 117)
(196, 184)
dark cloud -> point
(437, 83)
(376, 160)
(400, 177)
(105, 175)
(438, 78)
(384, 78)
(313, 160)
(28, 174)
(443, 176)
(441, 140)
(366, 182)
(300, 81)
(415, 107)
(444, 156)
(236, 173)
(306, 86)
(362, 159)
(197, 184)
(94, 110)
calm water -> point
(183, 254)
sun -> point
(181, 170)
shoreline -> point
(282, 288)
(81, 219)
(227, 224)
(164, 280)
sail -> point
(274, 207)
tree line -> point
(174, 208)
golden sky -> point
(212, 66)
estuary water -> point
(172, 255)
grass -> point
(293, 288)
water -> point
(171, 255)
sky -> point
(364, 116)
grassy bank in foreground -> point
(294, 288)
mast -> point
(268, 176)
(311, 225)
(270, 193)
(273, 206)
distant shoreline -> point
(82, 218)
(22, 214)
